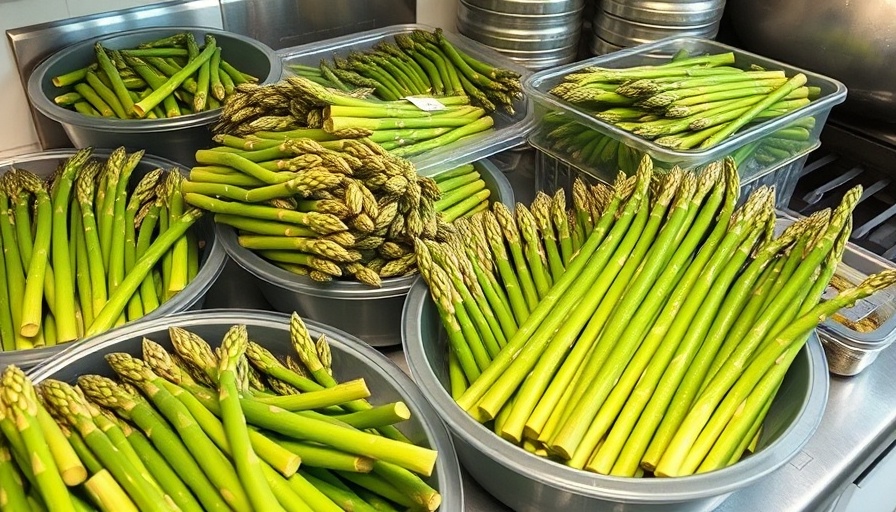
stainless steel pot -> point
(854, 42)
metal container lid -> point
(528, 7)
(519, 33)
(676, 13)
(628, 33)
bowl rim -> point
(209, 270)
(63, 115)
(436, 432)
(592, 485)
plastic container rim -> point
(107, 124)
(625, 490)
(532, 83)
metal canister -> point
(535, 34)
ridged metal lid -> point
(628, 33)
(677, 13)
(528, 7)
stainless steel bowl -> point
(525, 482)
(176, 138)
(372, 314)
(854, 42)
(351, 360)
(212, 260)
(599, 46)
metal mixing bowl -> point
(372, 314)
(351, 360)
(525, 482)
(854, 42)
(175, 138)
(212, 256)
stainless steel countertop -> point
(858, 424)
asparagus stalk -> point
(108, 393)
(248, 466)
(20, 401)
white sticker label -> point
(427, 104)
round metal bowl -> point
(175, 138)
(351, 360)
(372, 314)
(212, 257)
(526, 482)
(681, 13)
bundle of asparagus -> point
(197, 429)
(94, 253)
(689, 102)
(275, 110)
(595, 150)
(463, 193)
(419, 62)
(167, 77)
(662, 341)
(323, 209)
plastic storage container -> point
(372, 314)
(745, 144)
(528, 483)
(351, 360)
(175, 138)
(870, 325)
(212, 257)
(554, 172)
(509, 130)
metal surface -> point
(176, 138)
(192, 297)
(283, 23)
(851, 41)
(31, 44)
(673, 13)
(598, 46)
(528, 7)
(372, 314)
(526, 482)
(351, 360)
(626, 33)
(537, 40)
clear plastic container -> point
(855, 338)
(509, 130)
(550, 110)
(553, 171)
